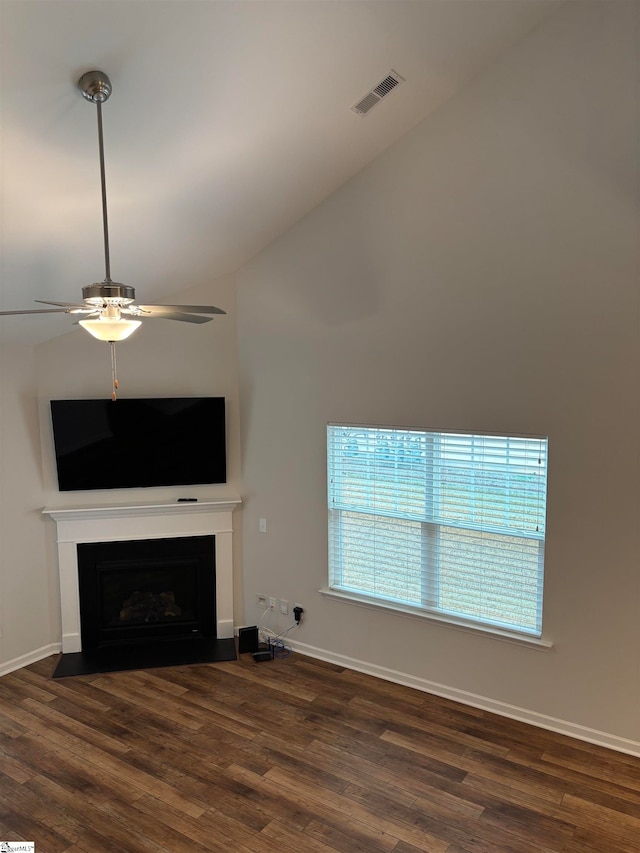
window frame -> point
(431, 532)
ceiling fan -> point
(110, 309)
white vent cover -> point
(375, 95)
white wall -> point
(28, 594)
(481, 275)
(164, 358)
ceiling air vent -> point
(375, 95)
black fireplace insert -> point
(144, 590)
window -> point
(446, 522)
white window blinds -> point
(445, 522)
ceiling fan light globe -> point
(110, 330)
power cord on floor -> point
(279, 648)
(276, 641)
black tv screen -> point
(133, 443)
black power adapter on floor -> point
(263, 652)
(267, 654)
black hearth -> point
(146, 603)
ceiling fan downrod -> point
(96, 87)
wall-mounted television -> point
(139, 443)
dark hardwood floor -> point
(292, 755)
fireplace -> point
(127, 524)
(144, 590)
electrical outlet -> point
(284, 606)
(261, 601)
(272, 604)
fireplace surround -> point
(128, 523)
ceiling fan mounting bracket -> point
(95, 86)
(108, 293)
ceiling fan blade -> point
(190, 309)
(61, 304)
(174, 315)
(36, 311)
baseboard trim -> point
(31, 657)
(503, 709)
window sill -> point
(537, 643)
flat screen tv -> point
(138, 443)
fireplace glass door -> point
(146, 590)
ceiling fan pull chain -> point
(114, 376)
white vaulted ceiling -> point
(228, 121)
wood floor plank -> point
(386, 774)
(293, 755)
(33, 820)
(129, 689)
(319, 806)
(69, 723)
(380, 689)
(415, 720)
(126, 821)
(61, 765)
(282, 838)
(601, 770)
(619, 825)
(267, 800)
(357, 813)
(16, 685)
(278, 752)
(193, 830)
(580, 780)
(594, 841)
(95, 835)
(13, 768)
(344, 838)
(278, 685)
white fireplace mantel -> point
(127, 522)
